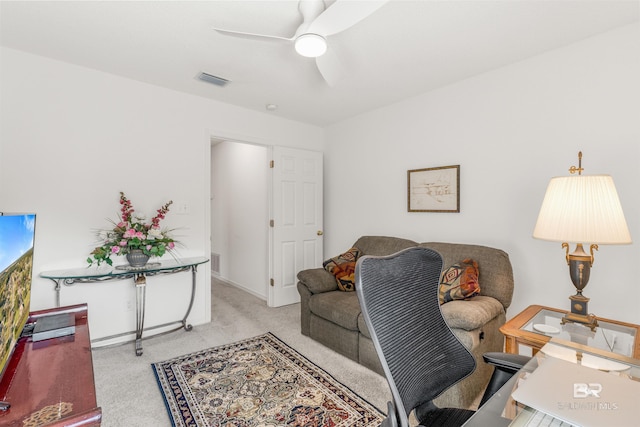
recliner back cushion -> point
(382, 245)
(496, 273)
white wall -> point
(511, 130)
(71, 138)
(240, 214)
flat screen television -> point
(17, 233)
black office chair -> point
(420, 355)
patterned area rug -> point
(257, 382)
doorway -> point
(266, 217)
(240, 214)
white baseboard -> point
(239, 286)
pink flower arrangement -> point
(131, 233)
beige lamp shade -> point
(582, 209)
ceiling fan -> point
(318, 23)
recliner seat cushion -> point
(341, 308)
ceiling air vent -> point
(219, 81)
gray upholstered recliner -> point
(334, 318)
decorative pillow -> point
(460, 281)
(343, 267)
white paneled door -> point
(296, 230)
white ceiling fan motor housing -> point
(311, 45)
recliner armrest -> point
(318, 280)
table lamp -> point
(581, 209)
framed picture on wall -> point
(434, 189)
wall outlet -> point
(130, 305)
(182, 208)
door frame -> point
(211, 136)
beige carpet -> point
(126, 387)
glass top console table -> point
(139, 275)
(537, 324)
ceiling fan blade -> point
(342, 15)
(330, 67)
(252, 35)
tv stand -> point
(51, 381)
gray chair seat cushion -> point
(341, 308)
(472, 313)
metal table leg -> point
(141, 286)
(69, 278)
(194, 270)
(57, 290)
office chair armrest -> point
(392, 417)
(505, 361)
(505, 366)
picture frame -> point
(434, 189)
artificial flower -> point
(131, 232)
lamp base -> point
(579, 312)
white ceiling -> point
(405, 48)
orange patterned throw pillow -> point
(343, 267)
(460, 281)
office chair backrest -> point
(420, 355)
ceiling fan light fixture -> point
(311, 45)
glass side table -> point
(536, 325)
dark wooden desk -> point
(51, 382)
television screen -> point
(17, 232)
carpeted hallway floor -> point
(126, 387)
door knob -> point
(319, 233)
